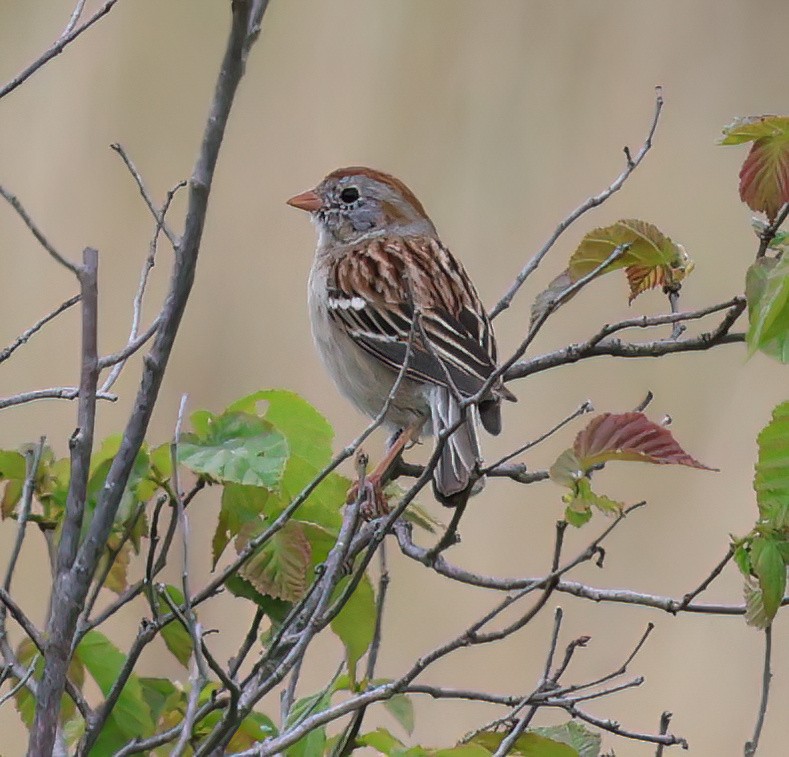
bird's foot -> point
(374, 503)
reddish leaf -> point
(279, 568)
(629, 436)
(764, 176)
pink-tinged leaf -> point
(279, 568)
(764, 176)
(648, 246)
(630, 436)
(651, 260)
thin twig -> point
(768, 234)
(158, 215)
(714, 573)
(135, 341)
(592, 202)
(25, 335)
(14, 202)
(21, 683)
(665, 721)
(70, 33)
(752, 745)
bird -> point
(384, 292)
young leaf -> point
(768, 564)
(238, 448)
(381, 740)
(530, 744)
(279, 567)
(131, 715)
(771, 481)
(587, 743)
(764, 176)
(581, 501)
(240, 506)
(755, 614)
(176, 637)
(401, 708)
(629, 436)
(767, 292)
(355, 623)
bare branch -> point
(14, 202)
(592, 202)
(158, 215)
(55, 393)
(598, 346)
(70, 33)
(752, 745)
(71, 591)
(768, 234)
(37, 326)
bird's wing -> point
(375, 291)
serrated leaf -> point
(764, 176)
(768, 564)
(530, 744)
(767, 292)
(401, 708)
(162, 461)
(649, 248)
(175, 636)
(771, 480)
(587, 743)
(104, 661)
(355, 623)
(755, 614)
(240, 505)
(279, 567)
(275, 609)
(629, 436)
(13, 470)
(238, 448)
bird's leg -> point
(375, 504)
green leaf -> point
(462, 750)
(253, 729)
(755, 614)
(767, 291)
(160, 694)
(355, 623)
(240, 506)
(175, 636)
(650, 260)
(238, 448)
(743, 559)
(530, 744)
(275, 609)
(401, 708)
(279, 568)
(162, 461)
(131, 714)
(764, 177)
(314, 742)
(381, 740)
(769, 566)
(771, 481)
(587, 743)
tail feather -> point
(452, 476)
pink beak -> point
(306, 201)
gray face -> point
(356, 207)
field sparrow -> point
(378, 262)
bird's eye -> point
(349, 195)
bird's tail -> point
(453, 477)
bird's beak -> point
(306, 201)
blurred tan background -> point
(502, 116)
